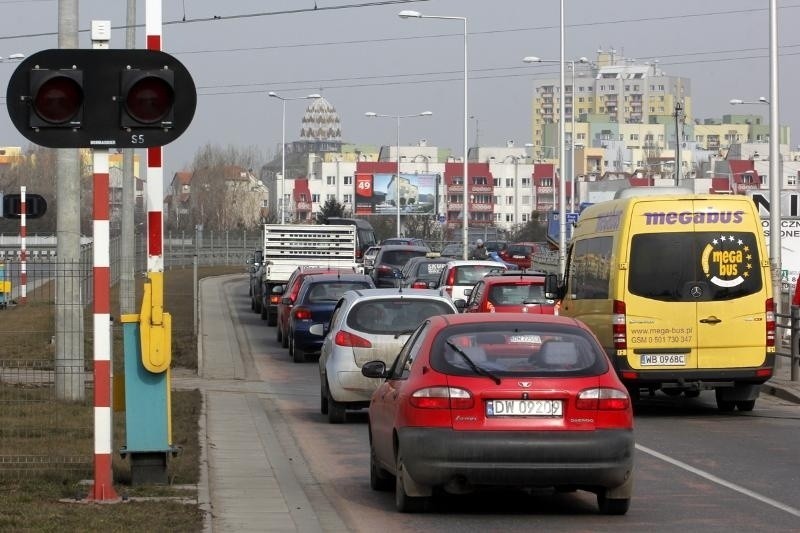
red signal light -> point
(148, 98)
(56, 98)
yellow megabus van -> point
(677, 288)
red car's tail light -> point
(419, 285)
(770, 309)
(442, 398)
(618, 327)
(345, 338)
(385, 269)
(603, 399)
(301, 313)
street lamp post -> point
(571, 62)
(416, 14)
(397, 178)
(283, 100)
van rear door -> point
(696, 282)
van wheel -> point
(612, 506)
(746, 405)
(726, 406)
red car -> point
(510, 292)
(500, 400)
(521, 253)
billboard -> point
(377, 194)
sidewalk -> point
(248, 482)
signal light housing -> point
(56, 98)
(148, 98)
(101, 98)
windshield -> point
(399, 257)
(517, 249)
(518, 294)
(472, 274)
(332, 291)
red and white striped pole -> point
(23, 247)
(154, 192)
(103, 489)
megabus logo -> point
(689, 217)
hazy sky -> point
(362, 57)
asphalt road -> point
(696, 468)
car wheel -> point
(284, 338)
(278, 336)
(746, 405)
(298, 355)
(611, 506)
(379, 479)
(404, 502)
(337, 413)
(323, 396)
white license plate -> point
(525, 339)
(663, 359)
(524, 408)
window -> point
(331, 180)
(480, 180)
(665, 266)
(525, 217)
(509, 217)
(526, 200)
(509, 182)
(496, 182)
(497, 217)
(590, 269)
(348, 198)
(330, 197)
(315, 198)
(458, 180)
(634, 136)
(526, 182)
(302, 197)
(509, 200)
(496, 200)
(348, 180)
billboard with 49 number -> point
(379, 194)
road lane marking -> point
(720, 481)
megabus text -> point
(688, 217)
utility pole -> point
(127, 288)
(678, 122)
(69, 357)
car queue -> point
(469, 380)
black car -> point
(407, 241)
(423, 272)
(390, 261)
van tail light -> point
(442, 398)
(274, 299)
(770, 309)
(301, 313)
(345, 338)
(419, 285)
(359, 253)
(618, 328)
(603, 399)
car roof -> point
(348, 276)
(461, 262)
(427, 294)
(404, 247)
(500, 318)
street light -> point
(283, 99)
(534, 59)
(416, 14)
(397, 179)
(761, 100)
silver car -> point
(368, 325)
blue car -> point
(494, 256)
(316, 300)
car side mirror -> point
(374, 369)
(460, 304)
(286, 301)
(467, 292)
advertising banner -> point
(377, 194)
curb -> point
(782, 392)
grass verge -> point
(50, 499)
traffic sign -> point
(572, 218)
